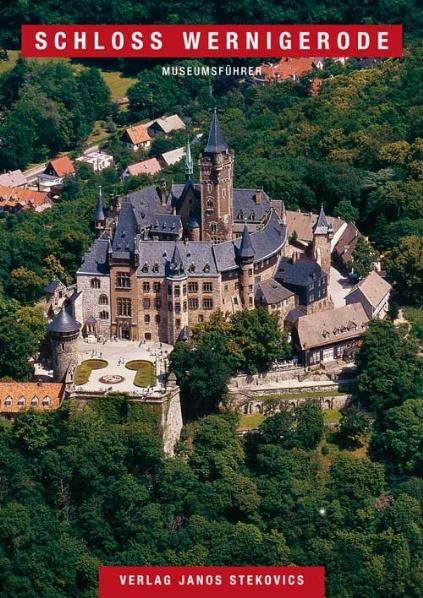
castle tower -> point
(246, 264)
(216, 178)
(321, 245)
(100, 216)
(63, 331)
(176, 282)
(189, 167)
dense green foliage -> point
(248, 340)
(49, 109)
(88, 487)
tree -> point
(405, 266)
(400, 438)
(279, 429)
(26, 285)
(389, 369)
(363, 258)
(354, 424)
(347, 211)
(309, 424)
(98, 99)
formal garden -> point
(145, 375)
(84, 369)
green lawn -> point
(145, 375)
(84, 369)
(331, 416)
(250, 422)
(6, 65)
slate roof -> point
(303, 223)
(301, 273)
(64, 322)
(322, 225)
(156, 255)
(328, 327)
(95, 260)
(245, 206)
(53, 285)
(270, 291)
(216, 142)
(150, 214)
(246, 249)
(265, 242)
(124, 238)
(99, 209)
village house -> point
(17, 397)
(136, 138)
(373, 292)
(345, 246)
(51, 181)
(165, 125)
(14, 199)
(98, 160)
(288, 69)
(330, 335)
(149, 167)
(13, 178)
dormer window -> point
(34, 402)
(8, 402)
(46, 402)
(192, 268)
(207, 268)
(155, 268)
(145, 268)
(21, 402)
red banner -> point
(211, 582)
(218, 41)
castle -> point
(164, 260)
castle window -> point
(124, 307)
(207, 287)
(104, 315)
(146, 319)
(192, 268)
(184, 289)
(177, 308)
(156, 287)
(157, 302)
(210, 206)
(192, 287)
(123, 280)
(193, 303)
(177, 291)
(157, 319)
(95, 283)
(201, 318)
(146, 303)
(213, 227)
(178, 323)
(34, 401)
(185, 306)
(169, 290)
(21, 402)
(169, 306)
(8, 402)
(207, 303)
(103, 300)
(146, 287)
(46, 402)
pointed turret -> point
(188, 161)
(322, 227)
(246, 250)
(100, 216)
(216, 142)
(176, 265)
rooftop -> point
(138, 134)
(270, 291)
(16, 397)
(62, 166)
(151, 166)
(301, 272)
(373, 287)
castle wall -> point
(91, 305)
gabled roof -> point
(29, 395)
(328, 327)
(176, 265)
(302, 223)
(173, 156)
(216, 142)
(373, 287)
(151, 166)
(287, 68)
(53, 285)
(25, 197)
(95, 260)
(245, 250)
(347, 242)
(137, 134)
(13, 178)
(169, 123)
(269, 292)
(301, 272)
(62, 166)
(64, 322)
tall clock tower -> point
(216, 179)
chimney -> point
(294, 257)
(257, 196)
(162, 192)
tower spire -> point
(322, 226)
(100, 216)
(176, 265)
(246, 250)
(188, 161)
(216, 142)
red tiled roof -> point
(27, 198)
(151, 166)
(16, 397)
(62, 166)
(287, 68)
(137, 134)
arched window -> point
(21, 402)
(103, 300)
(95, 283)
(104, 315)
(206, 268)
(213, 227)
(34, 402)
(46, 402)
(8, 402)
